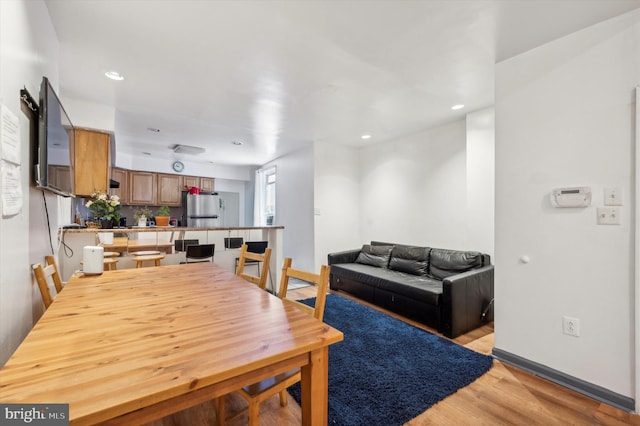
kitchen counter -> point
(164, 229)
(166, 240)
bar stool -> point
(156, 258)
(110, 264)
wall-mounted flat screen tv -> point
(54, 168)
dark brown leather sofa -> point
(449, 290)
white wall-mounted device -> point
(578, 196)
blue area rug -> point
(387, 372)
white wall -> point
(229, 185)
(28, 51)
(481, 180)
(564, 117)
(192, 167)
(336, 200)
(90, 115)
(414, 190)
(294, 205)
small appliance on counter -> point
(93, 260)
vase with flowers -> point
(141, 214)
(105, 208)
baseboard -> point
(599, 393)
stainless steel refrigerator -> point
(202, 210)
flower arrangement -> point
(104, 207)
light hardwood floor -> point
(503, 396)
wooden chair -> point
(44, 275)
(261, 279)
(253, 247)
(265, 389)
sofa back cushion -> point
(410, 259)
(375, 255)
(444, 263)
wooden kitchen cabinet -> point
(142, 188)
(91, 162)
(169, 190)
(190, 181)
(121, 176)
(206, 184)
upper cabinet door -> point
(190, 181)
(122, 177)
(142, 188)
(169, 190)
(206, 184)
(92, 162)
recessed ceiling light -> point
(366, 136)
(114, 75)
(237, 142)
(455, 107)
(153, 129)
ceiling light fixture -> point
(114, 75)
(153, 129)
(146, 153)
(186, 149)
(456, 107)
(237, 143)
(366, 136)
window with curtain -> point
(265, 197)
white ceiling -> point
(279, 75)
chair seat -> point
(151, 258)
(260, 387)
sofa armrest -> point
(467, 301)
(348, 256)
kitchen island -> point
(169, 241)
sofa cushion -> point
(374, 255)
(412, 260)
(420, 288)
(444, 263)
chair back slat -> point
(320, 281)
(200, 253)
(259, 280)
(42, 278)
(57, 281)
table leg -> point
(314, 388)
(220, 411)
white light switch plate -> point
(613, 196)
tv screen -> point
(55, 158)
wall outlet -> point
(608, 215)
(571, 326)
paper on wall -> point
(9, 136)
(11, 188)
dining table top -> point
(124, 340)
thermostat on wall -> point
(579, 196)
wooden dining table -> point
(131, 346)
